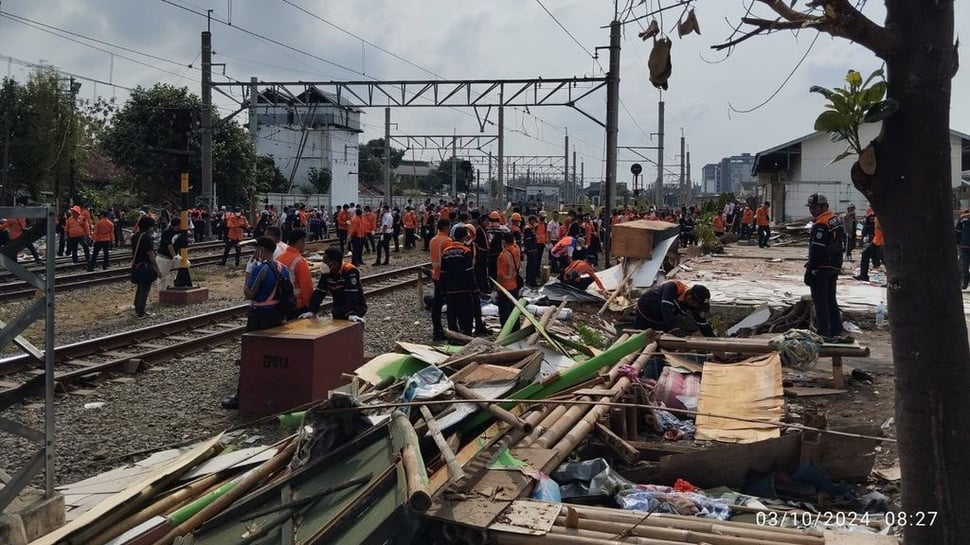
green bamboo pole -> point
(510, 323)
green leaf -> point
(876, 93)
(854, 78)
(829, 122)
(827, 93)
(841, 104)
(881, 110)
(848, 152)
(872, 76)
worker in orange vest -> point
(436, 246)
(509, 262)
(747, 218)
(236, 224)
(357, 234)
(764, 224)
(873, 252)
(825, 249)
(410, 222)
(15, 227)
(370, 225)
(292, 258)
(77, 230)
(580, 274)
(717, 224)
(104, 237)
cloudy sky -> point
(753, 99)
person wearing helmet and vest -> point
(764, 224)
(668, 306)
(509, 262)
(77, 230)
(825, 252)
(342, 281)
(235, 225)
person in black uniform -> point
(342, 282)
(531, 250)
(963, 243)
(668, 306)
(825, 252)
(458, 282)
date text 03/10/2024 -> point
(834, 519)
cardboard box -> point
(296, 363)
(636, 239)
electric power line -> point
(564, 29)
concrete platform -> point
(183, 296)
(31, 516)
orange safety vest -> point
(762, 216)
(15, 227)
(542, 234)
(877, 233)
(747, 216)
(236, 226)
(104, 230)
(508, 267)
(356, 227)
(342, 220)
(299, 275)
(409, 221)
(75, 227)
(436, 245)
(718, 224)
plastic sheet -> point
(589, 478)
(664, 499)
(799, 348)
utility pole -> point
(659, 193)
(206, 128)
(612, 132)
(387, 157)
(75, 87)
(690, 184)
(565, 171)
(683, 200)
(491, 184)
(6, 159)
(575, 186)
(454, 166)
(501, 151)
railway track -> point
(11, 291)
(88, 360)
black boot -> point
(230, 403)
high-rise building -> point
(711, 174)
(733, 172)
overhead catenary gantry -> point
(483, 95)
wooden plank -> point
(474, 512)
(838, 375)
(725, 466)
(802, 391)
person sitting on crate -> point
(343, 283)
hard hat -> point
(516, 217)
(494, 215)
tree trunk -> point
(911, 194)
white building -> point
(787, 174)
(312, 130)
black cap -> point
(702, 295)
(816, 199)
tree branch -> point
(777, 24)
(736, 41)
(842, 19)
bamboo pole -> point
(726, 526)
(175, 500)
(619, 289)
(257, 476)
(510, 322)
(577, 433)
(554, 415)
(672, 530)
(544, 321)
(575, 413)
(449, 455)
(415, 473)
(752, 346)
(497, 411)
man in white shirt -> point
(385, 231)
(552, 229)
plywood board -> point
(527, 517)
(131, 493)
(735, 397)
(423, 352)
(478, 512)
(235, 459)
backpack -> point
(285, 294)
